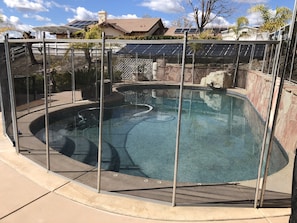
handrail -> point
(161, 41)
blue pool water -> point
(220, 136)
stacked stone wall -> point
(171, 72)
(258, 88)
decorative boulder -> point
(213, 101)
(219, 80)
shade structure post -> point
(179, 119)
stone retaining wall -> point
(258, 88)
(172, 71)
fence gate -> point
(131, 68)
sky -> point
(26, 14)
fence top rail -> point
(119, 41)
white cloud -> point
(255, 19)
(15, 24)
(66, 8)
(167, 6)
(253, 2)
(37, 17)
(128, 16)
(26, 6)
(14, 19)
(84, 14)
(166, 22)
(216, 22)
(219, 22)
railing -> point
(17, 52)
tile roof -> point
(134, 25)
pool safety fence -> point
(56, 78)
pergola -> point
(55, 30)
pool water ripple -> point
(219, 143)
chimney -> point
(102, 17)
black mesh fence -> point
(57, 89)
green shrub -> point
(62, 82)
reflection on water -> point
(220, 136)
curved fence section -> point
(54, 87)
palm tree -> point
(272, 19)
(240, 23)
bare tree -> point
(206, 11)
(27, 35)
(182, 22)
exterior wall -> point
(111, 32)
(253, 34)
(62, 36)
(154, 30)
(258, 89)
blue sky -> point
(25, 14)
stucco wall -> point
(258, 88)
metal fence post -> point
(46, 118)
(252, 56)
(101, 109)
(179, 120)
(293, 217)
(73, 76)
(277, 105)
(12, 96)
(266, 128)
(236, 66)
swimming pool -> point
(220, 136)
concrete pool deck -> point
(29, 193)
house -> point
(130, 27)
(246, 32)
(112, 27)
(179, 32)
